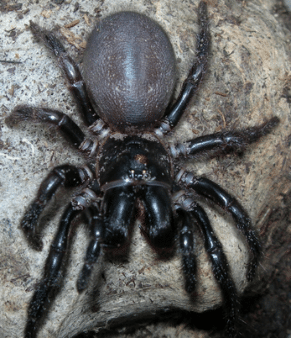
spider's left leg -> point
(197, 215)
(223, 142)
(71, 71)
(187, 243)
(194, 77)
(215, 193)
(52, 273)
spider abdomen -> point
(130, 71)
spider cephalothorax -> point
(129, 79)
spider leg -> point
(71, 71)
(215, 193)
(190, 214)
(52, 273)
(66, 175)
(158, 228)
(64, 123)
(96, 222)
(224, 142)
(185, 224)
(219, 266)
(195, 75)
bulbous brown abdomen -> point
(129, 70)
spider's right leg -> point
(52, 273)
(66, 175)
(71, 71)
(97, 228)
(64, 123)
(213, 192)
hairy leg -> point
(52, 273)
(66, 175)
(224, 142)
(187, 243)
(97, 225)
(71, 71)
(194, 77)
(64, 123)
(215, 193)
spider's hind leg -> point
(71, 71)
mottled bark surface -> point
(248, 81)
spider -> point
(125, 98)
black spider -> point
(130, 75)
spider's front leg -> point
(66, 175)
(52, 273)
(215, 193)
(187, 219)
(54, 263)
(97, 227)
(69, 176)
(187, 246)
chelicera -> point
(124, 96)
